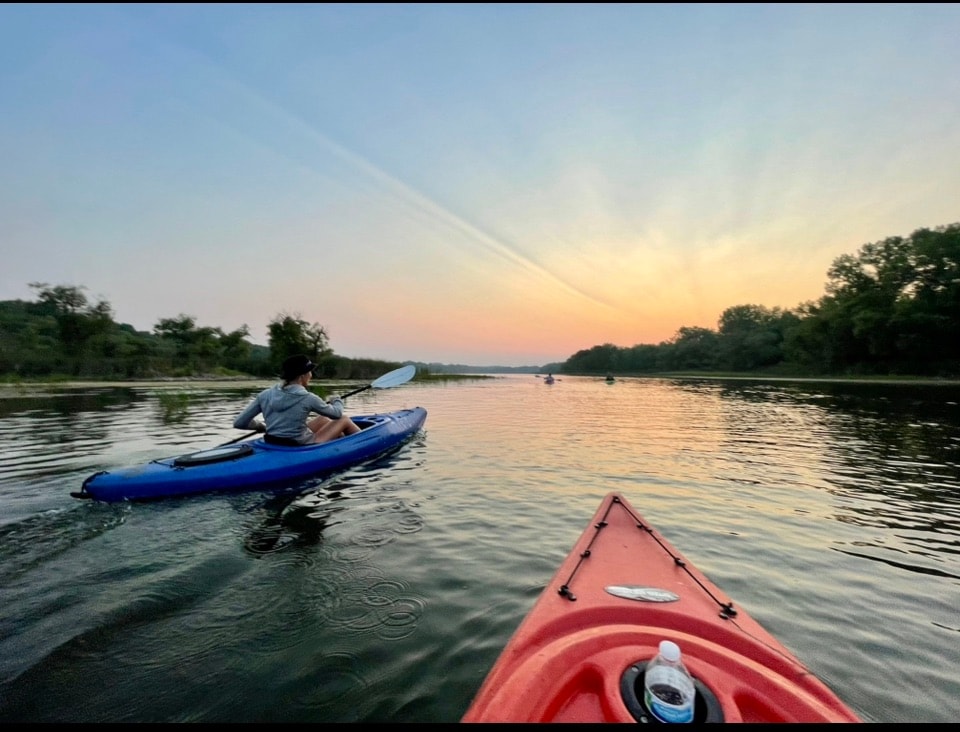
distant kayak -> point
(548, 380)
(580, 653)
(252, 464)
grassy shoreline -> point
(206, 381)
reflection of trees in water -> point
(890, 454)
(919, 423)
(174, 406)
(52, 425)
(905, 433)
(69, 402)
(91, 414)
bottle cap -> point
(670, 651)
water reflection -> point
(292, 520)
(888, 455)
(829, 511)
(65, 402)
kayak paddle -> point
(392, 378)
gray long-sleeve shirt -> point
(286, 409)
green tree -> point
(596, 360)
(641, 358)
(82, 328)
(291, 334)
(192, 349)
(29, 341)
(928, 322)
(235, 346)
(751, 336)
(692, 348)
(61, 299)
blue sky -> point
(482, 184)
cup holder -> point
(706, 707)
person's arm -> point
(244, 420)
(332, 409)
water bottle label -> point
(668, 694)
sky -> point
(481, 184)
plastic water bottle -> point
(668, 689)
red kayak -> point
(580, 654)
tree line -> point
(64, 334)
(893, 308)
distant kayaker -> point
(286, 408)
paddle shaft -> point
(356, 391)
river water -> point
(829, 512)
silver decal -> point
(644, 594)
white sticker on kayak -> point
(644, 594)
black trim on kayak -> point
(727, 610)
(82, 493)
(215, 455)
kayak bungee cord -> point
(727, 609)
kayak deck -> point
(579, 654)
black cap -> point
(296, 366)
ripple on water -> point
(332, 682)
(37, 539)
(386, 593)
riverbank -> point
(206, 382)
(782, 378)
(918, 380)
(176, 383)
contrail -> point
(402, 191)
(434, 210)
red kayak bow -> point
(580, 653)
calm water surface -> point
(831, 513)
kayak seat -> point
(287, 442)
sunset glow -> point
(478, 184)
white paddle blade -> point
(395, 377)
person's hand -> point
(258, 426)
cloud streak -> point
(492, 184)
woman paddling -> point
(286, 408)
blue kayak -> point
(253, 463)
